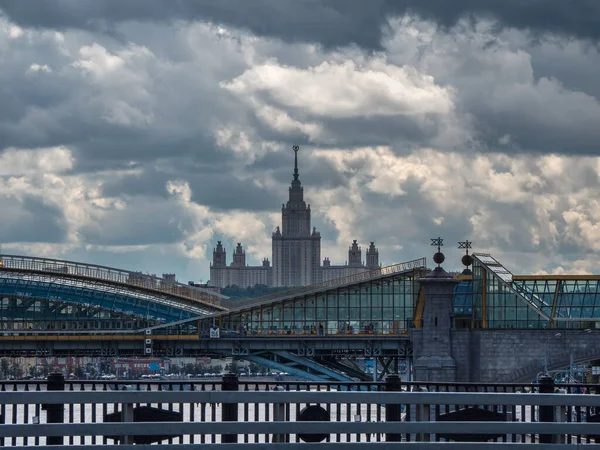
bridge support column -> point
(55, 412)
(393, 413)
(279, 416)
(230, 410)
(546, 413)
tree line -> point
(239, 293)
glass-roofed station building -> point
(499, 322)
(488, 297)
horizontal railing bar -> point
(329, 445)
(366, 397)
(217, 380)
(181, 428)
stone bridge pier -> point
(519, 355)
(442, 353)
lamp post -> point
(546, 351)
(571, 354)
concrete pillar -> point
(55, 412)
(433, 353)
(229, 411)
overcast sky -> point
(136, 134)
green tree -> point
(236, 293)
(4, 368)
(79, 372)
(255, 368)
(46, 368)
(190, 368)
(34, 371)
(16, 370)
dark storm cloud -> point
(315, 172)
(382, 130)
(144, 221)
(330, 22)
(217, 189)
(31, 220)
(223, 192)
(150, 182)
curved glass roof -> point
(504, 300)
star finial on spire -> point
(465, 244)
(295, 148)
(439, 242)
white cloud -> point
(97, 61)
(14, 162)
(347, 89)
(39, 68)
(123, 90)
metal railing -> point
(95, 272)
(178, 414)
(330, 284)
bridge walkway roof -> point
(95, 273)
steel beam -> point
(282, 367)
(313, 365)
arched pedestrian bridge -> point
(48, 296)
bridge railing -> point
(110, 274)
(231, 411)
(330, 284)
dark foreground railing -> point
(290, 414)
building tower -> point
(219, 256)
(296, 250)
(372, 257)
(239, 256)
(354, 255)
(218, 267)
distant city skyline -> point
(138, 136)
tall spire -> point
(296, 148)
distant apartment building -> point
(296, 252)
